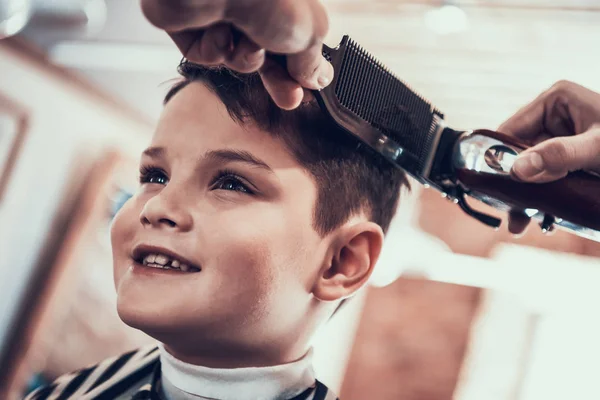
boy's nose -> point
(163, 211)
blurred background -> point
(455, 310)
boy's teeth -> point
(161, 259)
(165, 262)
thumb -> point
(555, 158)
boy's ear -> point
(350, 261)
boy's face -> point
(231, 201)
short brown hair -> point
(350, 178)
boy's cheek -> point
(121, 233)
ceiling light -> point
(447, 19)
(14, 15)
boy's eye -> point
(153, 175)
(229, 181)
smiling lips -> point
(154, 257)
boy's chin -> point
(153, 306)
(160, 322)
(165, 316)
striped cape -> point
(130, 376)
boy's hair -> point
(350, 177)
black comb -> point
(371, 103)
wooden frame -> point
(15, 119)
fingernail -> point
(518, 236)
(528, 165)
(323, 81)
(325, 78)
(255, 57)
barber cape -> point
(132, 376)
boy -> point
(250, 226)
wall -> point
(70, 124)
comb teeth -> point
(367, 88)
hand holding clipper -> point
(564, 121)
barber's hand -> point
(564, 123)
(208, 32)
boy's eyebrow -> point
(236, 155)
(154, 152)
(223, 155)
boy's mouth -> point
(154, 257)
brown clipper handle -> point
(574, 198)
